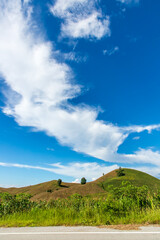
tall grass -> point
(124, 205)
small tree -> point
(120, 172)
(49, 190)
(59, 181)
(83, 180)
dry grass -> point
(95, 188)
(39, 191)
(122, 227)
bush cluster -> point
(10, 204)
(120, 172)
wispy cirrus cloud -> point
(136, 138)
(91, 171)
(75, 170)
(73, 56)
(39, 89)
(129, 2)
(111, 51)
(81, 19)
(50, 149)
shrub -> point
(10, 204)
(83, 180)
(120, 172)
(49, 190)
(59, 181)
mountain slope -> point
(39, 191)
(95, 188)
(137, 178)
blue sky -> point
(79, 89)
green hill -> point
(137, 178)
(96, 188)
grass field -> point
(63, 218)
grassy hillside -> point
(137, 178)
(99, 187)
(39, 191)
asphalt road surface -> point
(78, 233)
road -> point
(78, 233)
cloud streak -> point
(91, 171)
(75, 170)
(110, 51)
(129, 2)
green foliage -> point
(18, 203)
(137, 178)
(124, 204)
(120, 172)
(59, 181)
(76, 196)
(83, 180)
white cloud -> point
(136, 138)
(50, 149)
(143, 156)
(110, 51)
(139, 129)
(76, 181)
(91, 26)
(129, 1)
(154, 171)
(79, 170)
(26, 1)
(75, 170)
(62, 7)
(39, 90)
(81, 19)
(10, 186)
(73, 56)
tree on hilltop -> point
(59, 181)
(83, 180)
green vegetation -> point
(120, 172)
(83, 181)
(135, 177)
(49, 190)
(126, 204)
